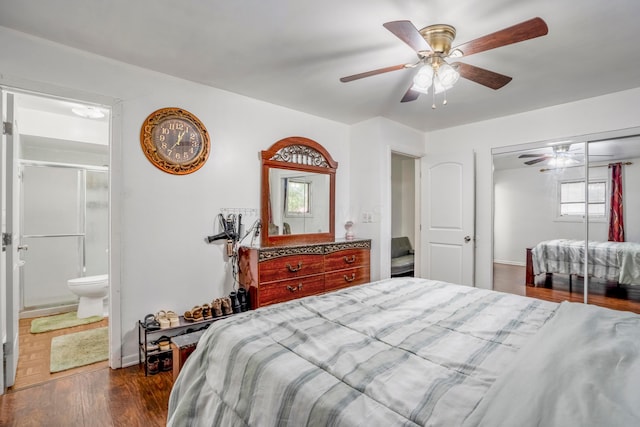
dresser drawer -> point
(347, 258)
(288, 267)
(345, 278)
(285, 290)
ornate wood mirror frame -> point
(302, 155)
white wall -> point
(601, 114)
(163, 259)
(372, 143)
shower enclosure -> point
(64, 225)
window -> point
(572, 199)
(298, 198)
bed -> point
(611, 261)
(409, 352)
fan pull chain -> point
(433, 90)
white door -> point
(10, 276)
(448, 218)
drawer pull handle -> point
(294, 288)
(294, 269)
(350, 279)
(350, 260)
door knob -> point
(467, 239)
(23, 247)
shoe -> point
(164, 343)
(173, 318)
(235, 304)
(216, 307)
(152, 346)
(226, 306)
(166, 362)
(153, 365)
(206, 311)
(242, 299)
(197, 313)
(188, 316)
(150, 323)
(162, 319)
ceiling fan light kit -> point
(433, 45)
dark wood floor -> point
(511, 279)
(103, 397)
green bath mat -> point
(60, 321)
(79, 349)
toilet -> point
(92, 291)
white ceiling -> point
(292, 52)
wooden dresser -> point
(282, 273)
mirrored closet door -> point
(542, 194)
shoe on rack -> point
(216, 307)
(206, 311)
(153, 365)
(197, 313)
(166, 362)
(163, 320)
(174, 319)
(164, 343)
(226, 306)
(242, 299)
(235, 304)
(150, 323)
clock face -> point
(175, 141)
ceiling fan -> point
(433, 47)
(561, 155)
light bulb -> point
(447, 75)
(422, 80)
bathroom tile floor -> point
(35, 355)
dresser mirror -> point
(298, 193)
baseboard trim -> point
(39, 312)
(518, 263)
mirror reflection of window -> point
(298, 198)
(572, 198)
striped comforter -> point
(398, 352)
(613, 261)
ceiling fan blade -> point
(480, 75)
(410, 95)
(409, 34)
(372, 73)
(533, 162)
(522, 156)
(526, 30)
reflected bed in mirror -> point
(298, 193)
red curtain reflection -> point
(616, 223)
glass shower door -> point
(53, 205)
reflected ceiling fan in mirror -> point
(433, 47)
(561, 155)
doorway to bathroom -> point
(60, 195)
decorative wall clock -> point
(175, 141)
